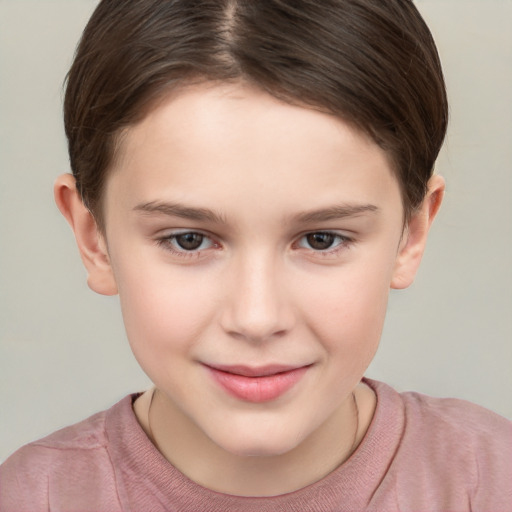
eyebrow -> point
(182, 211)
(334, 213)
(207, 215)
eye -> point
(320, 241)
(186, 243)
(189, 241)
(323, 241)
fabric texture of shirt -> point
(419, 454)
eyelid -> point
(164, 241)
(345, 242)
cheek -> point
(163, 309)
(348, 309)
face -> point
(253, 244)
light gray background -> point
(63, 352)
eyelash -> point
(344, 242)
(166, 242)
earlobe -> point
(415, 235)
(91, 243)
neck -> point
(180, 441)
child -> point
(252, 177)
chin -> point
(257, 445)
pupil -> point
(320, 241)
(189, 241)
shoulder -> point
(455, 452)
(443, 419)
(457, 422)
(84, 436)
(75, 457)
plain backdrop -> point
(63, 351)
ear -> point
(414, 238)
(91, 243)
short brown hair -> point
(371, 62)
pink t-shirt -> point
(419, 454)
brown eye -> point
(188, 244)
(320, 241)
(189, 241)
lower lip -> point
(258, 389)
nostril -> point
(254, 337)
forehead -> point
(236, 112)
(214, 142)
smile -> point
(257, 385)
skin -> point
(257, 291)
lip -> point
(257, 384)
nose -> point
(257, 307)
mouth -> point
(257, 384)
